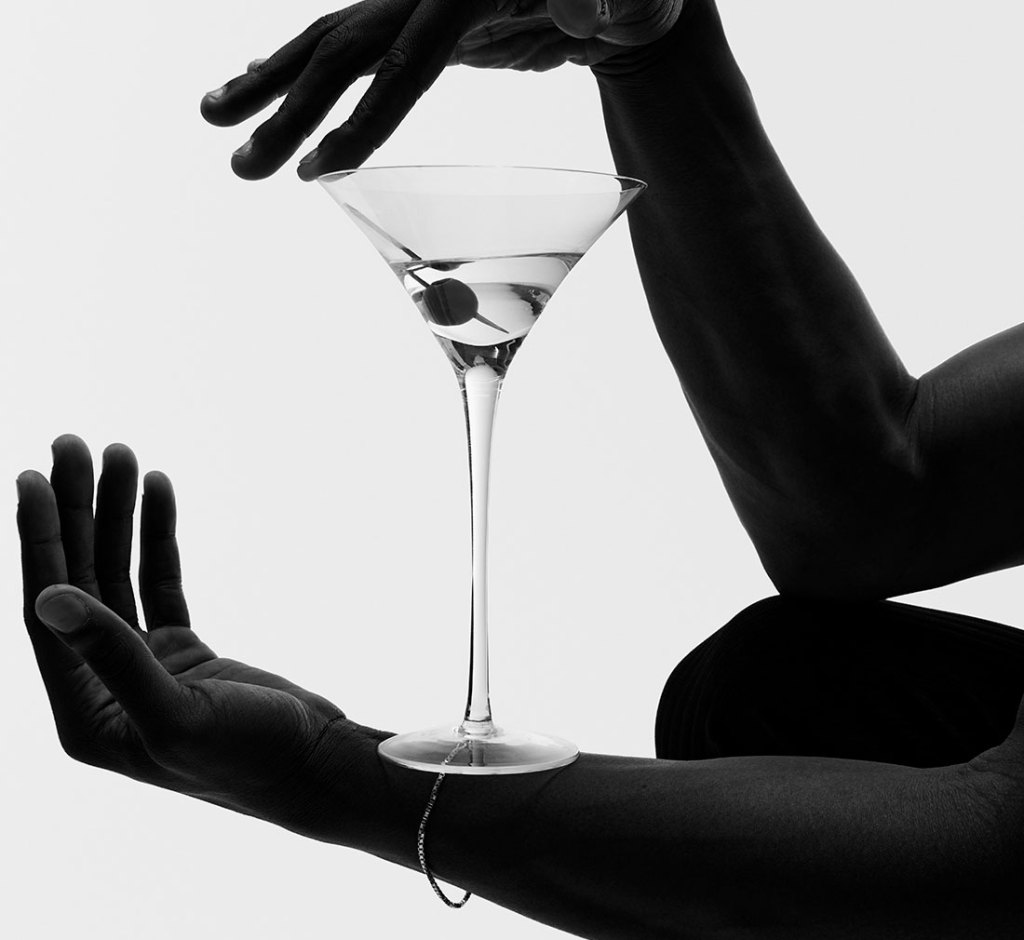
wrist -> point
(339, 794)
(478, 828)
(640, 63)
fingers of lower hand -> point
(115, 652)
(163, 599)
(116, 493)
(72, 482)
(42, 553)
(38, 519)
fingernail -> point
(244, 150)
(255, 64)
(216, 93)
(309, 157)
(64, 612)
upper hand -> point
(158, 704)
(407, 43)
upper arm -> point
(968, 422)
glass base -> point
(482, 750)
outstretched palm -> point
(158, 704)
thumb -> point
(581, 19)
(114, 650)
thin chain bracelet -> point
(421, 837)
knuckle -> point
(364, 127)
(48, 540)
(74, 746)
(169, 589)
(85, 749)
(186, 731)
(166, 739)
(289, 127)
(324, 23)
(112, 656)
(172, 734)
(397, 60)
(114, 578)
(333, 46)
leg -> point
(876, 681)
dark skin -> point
(118, 691)
(690, 848)
(406, 44)
(852, 477)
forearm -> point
(799, 395)
(614, 847)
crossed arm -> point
(852, 478)
(609, 847)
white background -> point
(244, 338)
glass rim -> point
(336, 175)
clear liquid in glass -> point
(481, 309)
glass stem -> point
(480, 387)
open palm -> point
(158, 704)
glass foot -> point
(483, 750)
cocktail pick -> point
(449, 302)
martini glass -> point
(480, 251)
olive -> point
(450, 302)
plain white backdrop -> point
(244, 338)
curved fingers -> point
(265, 81)
(115, 652)
(418, 56)
(352, 47)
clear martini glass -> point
(480, 250)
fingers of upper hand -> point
(315, 69)
(266, 80)
(407, 43)
(339, 59)
(415, 59)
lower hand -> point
(158, 704)
(408, 43)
